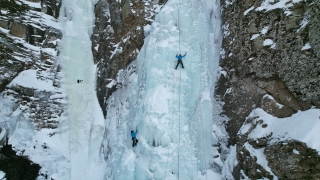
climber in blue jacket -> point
(180, 59)
(134, 139)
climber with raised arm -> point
(134, 139)
(180, 59)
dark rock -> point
(283, 71)
(116, 21)
(17, 167)
(293, 160)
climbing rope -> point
(179, 26)
(179, 92)
(165, 175)
(173, 106)
(179, 128)
(200, 115)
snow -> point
(261, 158)
(302, 126)
(174, 110)
(72, 151)
(267, 42)
(273, 100)
(32, 4)
(248, 10)
(265, 30)
(306, 47)
(304, 22)
(85, 120)
(2, 174)
(4, 30)
(295, 151)
(269, 5)
(254, 36)
(29, 79)
(230, 163)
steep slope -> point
(31, 101)
(85, 119)
(173, 110)
(270, 55)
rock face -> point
(269, 52)
(117, 39)
(293, 160)
(28, 43)
(270, 55)
(286, 159)
(28, 27)
(17, 167)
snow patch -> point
(267, 42)
(261, 158)
(254, 36)
(248, 10)
(265, 30)
(28, 79)
(306, 47)
(295, 151)
(2, 174)
(230, 163)
(303, 126)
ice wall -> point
(174, 110)
(85, 119)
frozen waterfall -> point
(84, 116)
(174, 110)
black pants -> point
(179, 62)
(134, 142)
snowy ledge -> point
(29, 79)
(303, 126)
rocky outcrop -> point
(16, 57)
(293, 160)
(50, 7)
(286, 159)
(26, 42)
(270, 58)
(269, 52)
(117, 39)
(17, 167)
(37, 106)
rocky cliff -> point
(270, 59)
(117, 39)
(270, 56)
(28, 42)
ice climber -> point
(134, 139)
(180, 59)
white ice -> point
(174, 110)
(84, 116)
(303, 126)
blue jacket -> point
(133, 134)
(180, 57)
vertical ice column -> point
(86, 122)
